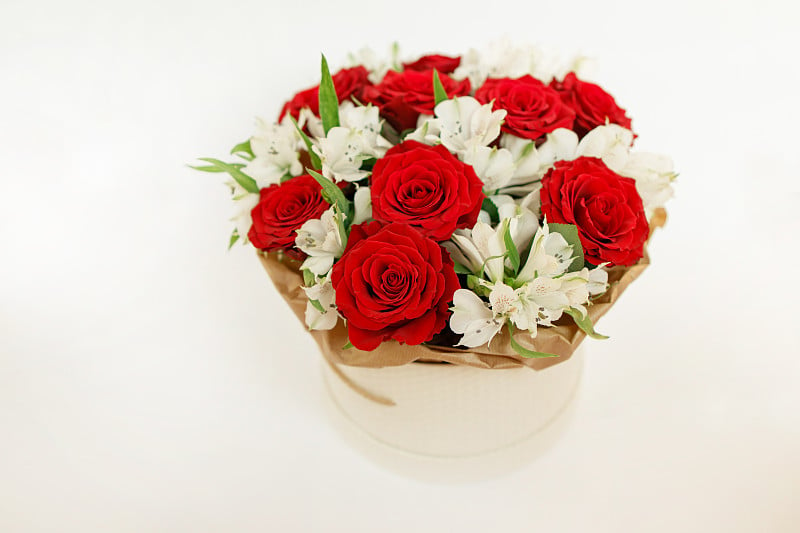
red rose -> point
(282, 209)
(348, 82)
(393, 283)
(402, 96)
(444, 64)
(534, 109)
(604, 206)
(426, 187)
(592, 105)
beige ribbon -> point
(356, 387)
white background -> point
(151, 381)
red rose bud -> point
(403, 96)
(426, 187)
(592, 105)
(281, 211)
(348, 82)
(604, 206)
(443, 64)
(392, 282)
(534, 109)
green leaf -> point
(461, 269)
(396, 56)
(332, 194)
(212, 168)
(309, 279)
(585, 323)
(347, 346)
(490, 207)
(317, 306)
(234, 238)
(315, 162)
(570, 234)
(524, 352)
(244, 150)
(328, 101)
(247, 183)
(511, 248)
(439, 94)
(369, 163)
(286, 177)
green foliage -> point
(332, 194)
(328, 101)
(521, 350)
(233, 239)
(511, 248)
(585, 323)
(243, 150)
(214, 168)
(490, 207)
(439, 94)
(461, 269)
(315, 162)
(247, 183)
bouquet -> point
(482, 210)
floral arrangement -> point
(445, 200)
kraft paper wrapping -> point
(563, 339)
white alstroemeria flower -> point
(474, 248)
(550, 256)
(491, 245)
(463, 250)
(522, 222)
(465, 123)
(503, 59)
(324, 294)
(575, 286)
(525, 154)
(483, 248)
(366, 120)
(473, 319)
(244, 202)
(427, 131)
(494, 167)
(654, 175)
(362, 203)
(346, 147)
(533, 201)
(377, 65)
(559, 145)
(532, 163)
(611, 143)
(598, 280)
(504, 301)
(342, 153)
(312, 122)
(321, 240)
(275, 149)
(543, 303)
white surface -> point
(452, 411)
(150, 381)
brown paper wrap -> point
(563, 339)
